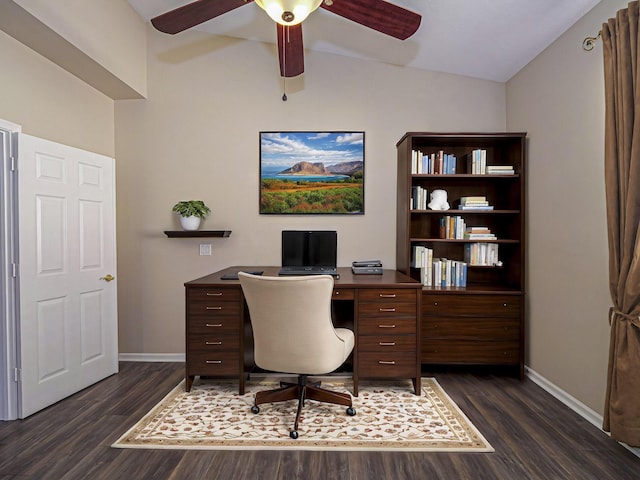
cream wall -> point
(196, 136)
(50, 103)
(108, 32)
(559, 99)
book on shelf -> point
(500, 170)
(474, 203)
(478, 233)
(472, 199)
(451, 227)
(481, 254)
(419, 198)
(366, 263)
(440, 272)
(366, 270)
(477, 161)
(436, 163)
(475, 207)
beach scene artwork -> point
(312, 172)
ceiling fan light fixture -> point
(288, 12)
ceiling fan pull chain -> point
(284, 65)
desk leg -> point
(355, 382)
(188, 382)
(417, 386)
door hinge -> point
(17, 375)
(13, 164)
(14, 270)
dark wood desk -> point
(384, 310)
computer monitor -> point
(304, 248)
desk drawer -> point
(387, 343)
(211, 343)
(387, 295)
(481, 328)
(387, 310)
(214, 363)
(386, 326)
(472, 305)
(212, 308)
(203, 325)
(208, 294)
(380, 364)
(343, 294)
(470, 352)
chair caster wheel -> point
(255, 409)
(351, 411)
(293, 434)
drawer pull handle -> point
(383, 362)
(504, 304)
(213, 343)
(387, 309)
(217, 362)
(213, 325)
(214, 308)
(386, 326)
(387, 295)
(216, 294)
(387, 344)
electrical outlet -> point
(205, 249)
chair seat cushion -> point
(349, 340)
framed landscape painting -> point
(312, 173)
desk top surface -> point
(388, 279)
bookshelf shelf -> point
(483, 322)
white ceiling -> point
(490, 39)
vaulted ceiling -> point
(489, 39)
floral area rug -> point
(389, 416)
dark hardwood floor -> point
(534, 435)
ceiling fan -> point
(378, 15)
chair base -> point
(302, 391)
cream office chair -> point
(293, 333)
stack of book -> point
(500, 170)
(366, 267)
(478, 233)
(474, 203)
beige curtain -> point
(622, 181)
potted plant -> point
(191, 213)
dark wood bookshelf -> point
(482, 324)
(196, 233)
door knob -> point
(108, 277)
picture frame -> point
(312, 172)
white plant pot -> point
(190, 223)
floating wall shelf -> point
(196, 233)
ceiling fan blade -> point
(290, 50)
(379, 15)
(193, 14)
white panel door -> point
(68, 303)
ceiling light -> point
(288, 12)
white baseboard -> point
(152, 357)
(573, 403)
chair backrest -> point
(292, 327)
